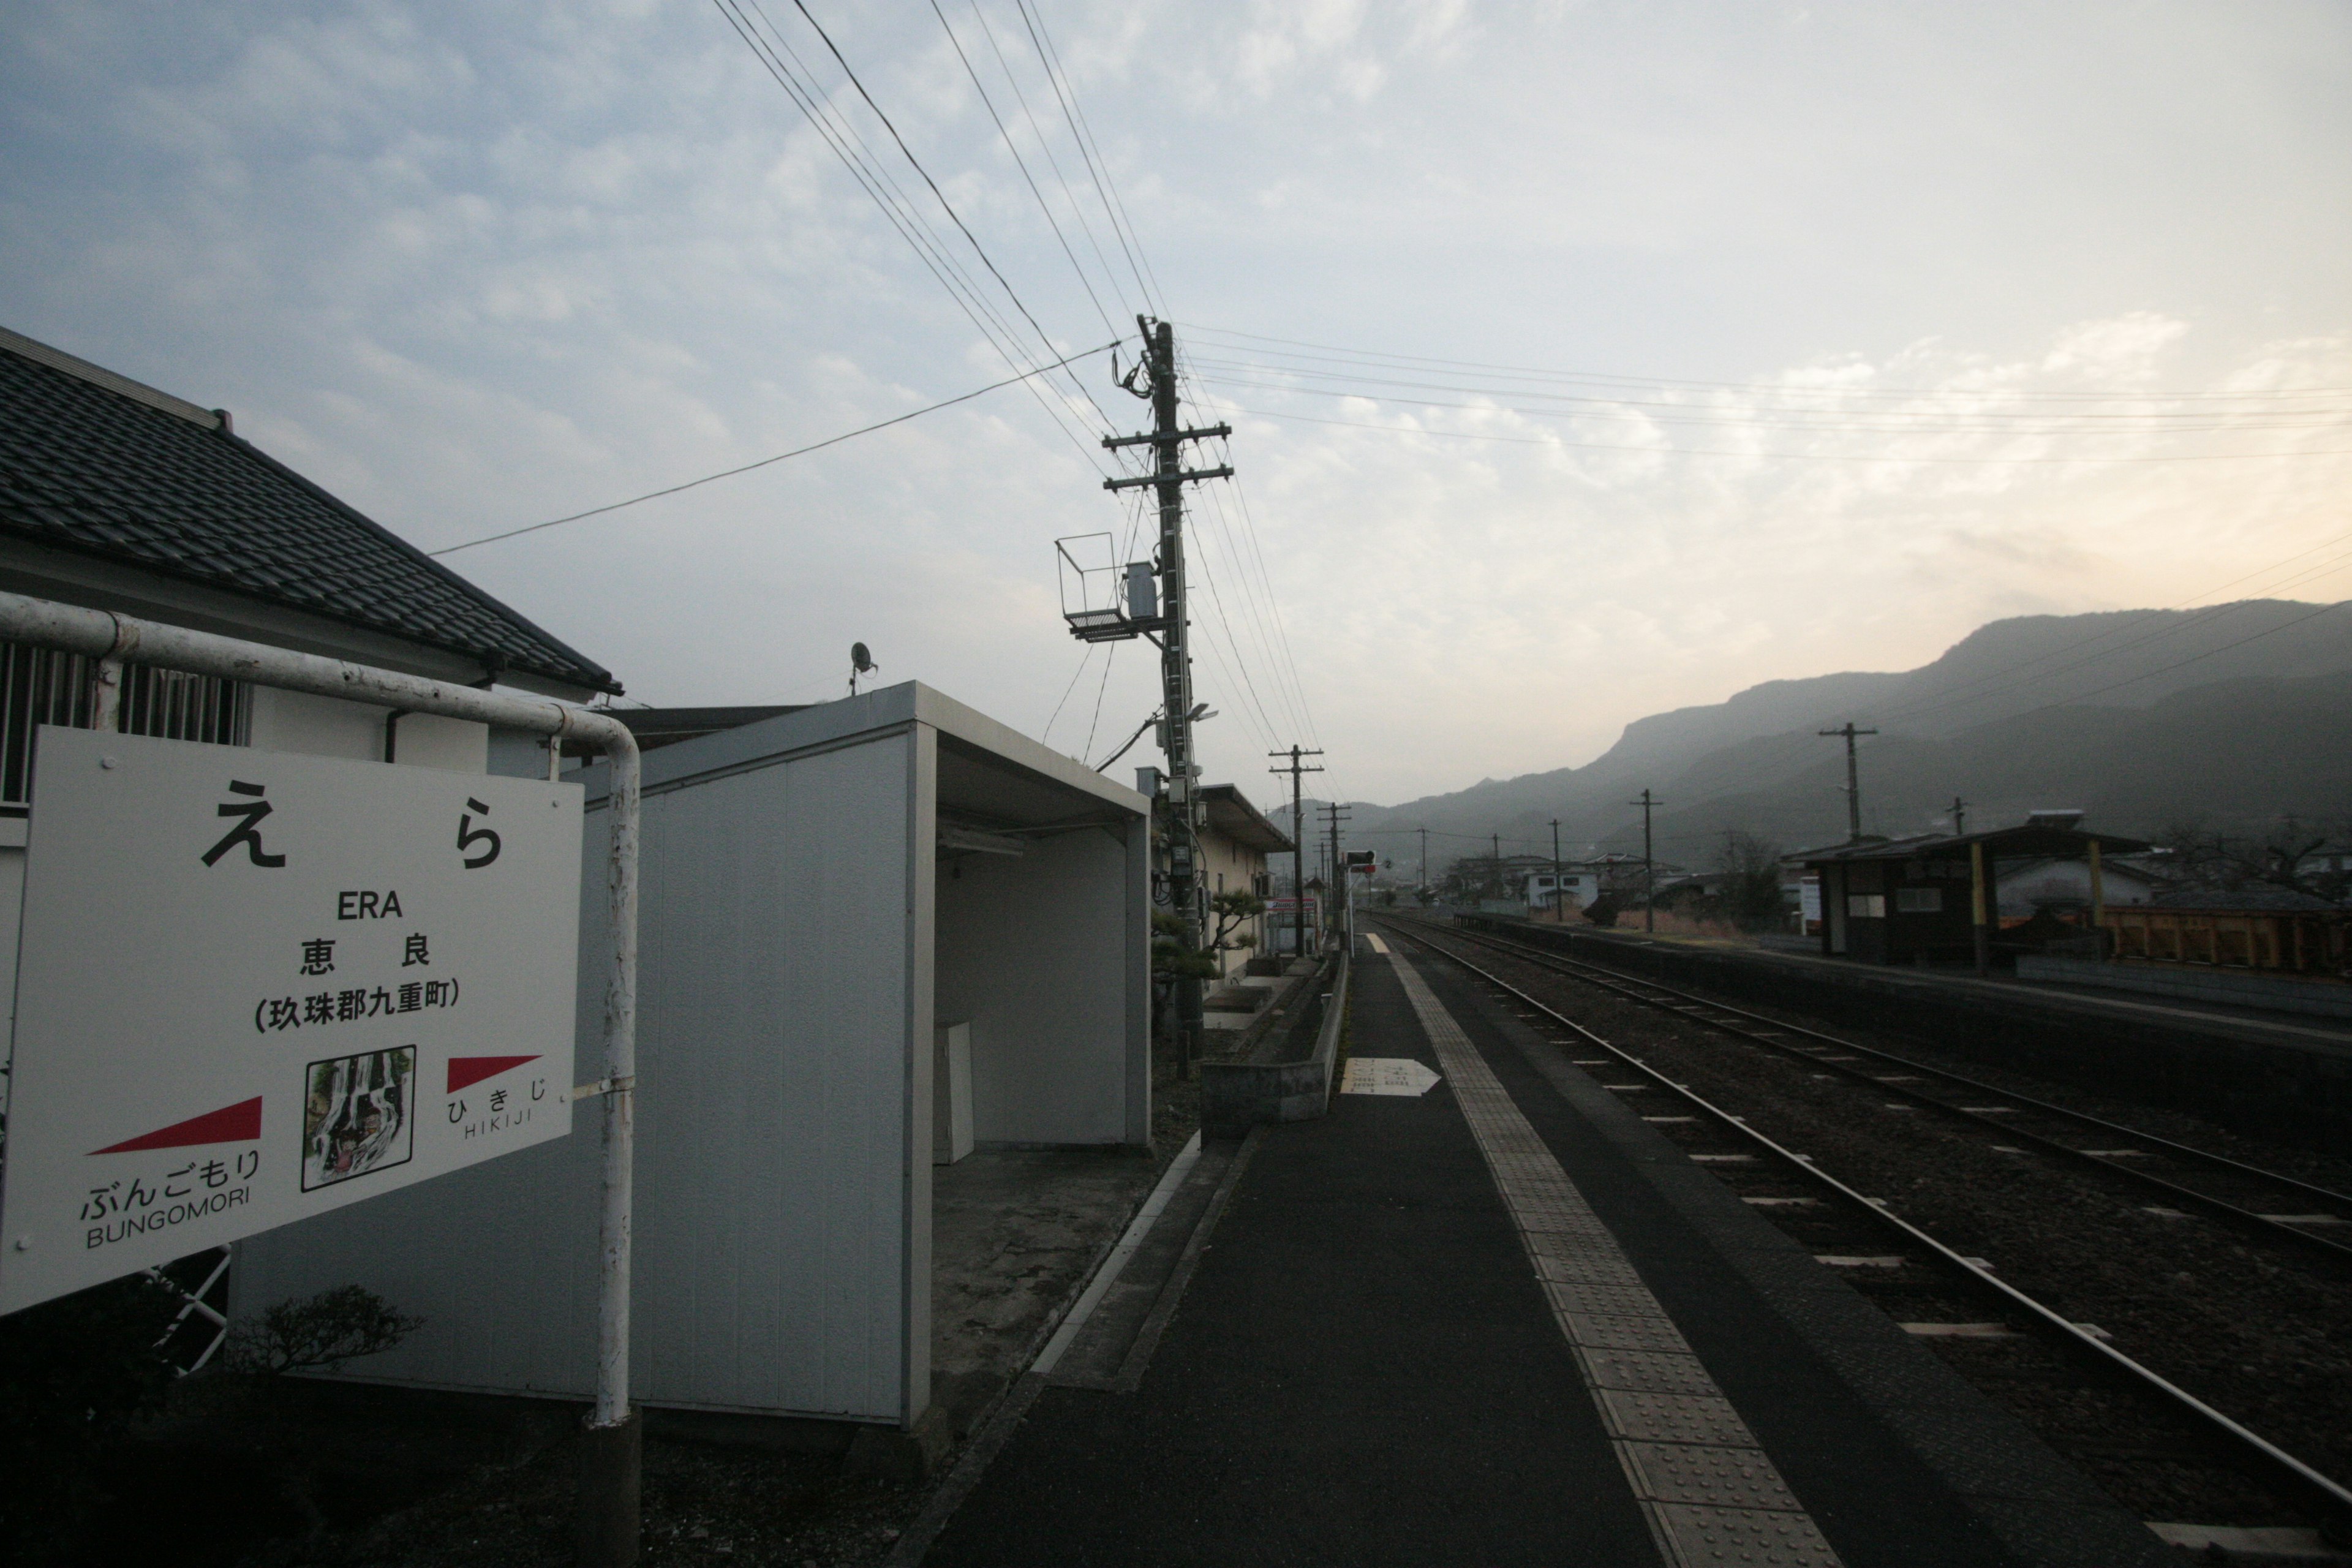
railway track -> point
(2267, 1204)
(1839, 1220)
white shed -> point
(823, 893)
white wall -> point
(1033, 953)
(298, 723)
(776, 1197)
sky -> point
(1584, 360)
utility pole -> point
(1559, 898)
(1169, 477)
(1853, 782)
(1959, 816)
(1334, 814)
(1425, 856)
(1649, 865)
(1298, 847)
(1501, 886)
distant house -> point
(1582, 882)
(1235, 843)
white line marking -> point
(1705, 1485)
(1107, 1275)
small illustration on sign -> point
(357, 1115)
(248, 831)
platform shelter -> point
(1936, 896)
(834, 899)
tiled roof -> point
(92, 462)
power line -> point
(940, 196)
(1776, 388)
(770, 47)
(1045, 145)
(1096, 721)
(1021, 164)
(747, 468)
(1673, 451)
(1690, 412)
(1113, 207)
(1085, 658)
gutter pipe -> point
(610, 1470)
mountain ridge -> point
(2111, 680)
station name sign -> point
(254, 987)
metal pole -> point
(1297, 844)
(1649, 871)
(1852, 781)
(1176, 672)
(1559, 898)
(1977, 891)
(609, 1500)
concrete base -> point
(902, 1459)
(612, 1469)
(1013, 1235)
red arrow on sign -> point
(239, 1123)
(465, 1071)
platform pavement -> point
(1365, 1369)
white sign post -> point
(254, 987)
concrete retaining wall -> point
(1238, 1096)
(2194, 983)
(2273, 1079)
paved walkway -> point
(1503, 1322)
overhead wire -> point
(1045, 145)
(1829, 421)
(1114, 208)
(940, 196)
(1086, 656)
(775, 52)
(763, 462)
(1022, 164)
(1776, 388)
(1670, 450)
(1096, 722)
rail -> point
(2333, 1497)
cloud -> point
(475, 266)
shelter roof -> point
(2030, 841)
(96, 464)
(656, 727)
(991, 777)
(1231, 814)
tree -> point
(1227, 911)
(1751, 880)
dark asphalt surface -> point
(1363, 1372)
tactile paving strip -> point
(1711, 1494)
